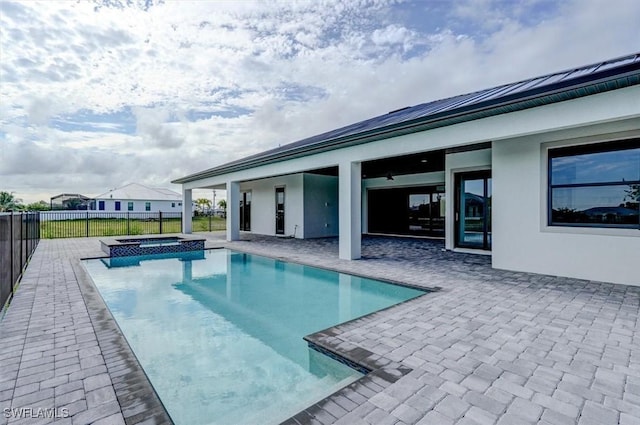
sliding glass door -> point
(473, 210)
(415, 211)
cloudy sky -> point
(94, 95)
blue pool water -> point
(219, 333)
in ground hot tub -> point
(127, 246)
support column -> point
(350, 210)
(187, 212)
(233, 211)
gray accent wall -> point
(320, 206)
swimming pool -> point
(219, 333)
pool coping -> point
(132, 245)
(136, 395)
(489, 333)
(139, 400)
(381, 372)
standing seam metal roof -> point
(570, 84)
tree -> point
(222, 204)
(633, 193)
(631, 197)
(203, 203)
(38, 206)
(8, 202)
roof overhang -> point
(564, 90)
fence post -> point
(128, 230)
(21, 245)
(13, 247)
(160, 213)
(87, 226)
(209, 220)
(28, 215)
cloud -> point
(152, 126)
(97, 94)
(394, 35)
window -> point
(147, 206)
(101, 205)
(595, 185)
(129, 206)
(173, 205)
(117, 205)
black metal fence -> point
(78, 224)
(19, 236)
(75, 224)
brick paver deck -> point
(488, 347)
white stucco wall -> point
(523, 241)
(263, 204)
(320, 206)
(459, 163)
(139, 205)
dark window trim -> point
(614, 183)
(584, 149)
(486, 175)
(618, 145)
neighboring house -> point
(135, 197)
(542, 174)
(69, 201)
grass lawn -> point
(117, 227)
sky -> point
(98, 94)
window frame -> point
(130, 206)
(147, 206)
(582, 149)
(117, 205)
(101, 205)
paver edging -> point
(132, 386)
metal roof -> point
(137, 191)
(565, 85)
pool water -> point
(219, 333)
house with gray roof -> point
(135, 197)
(516, 171)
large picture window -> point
(595, 185)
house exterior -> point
(69, 201)
(541, 174)
(135, 197)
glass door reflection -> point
(473, 210)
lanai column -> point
(233, 211)
(186, 210)
(350, 206)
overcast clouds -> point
(94, 95)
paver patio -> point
(488, 347)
